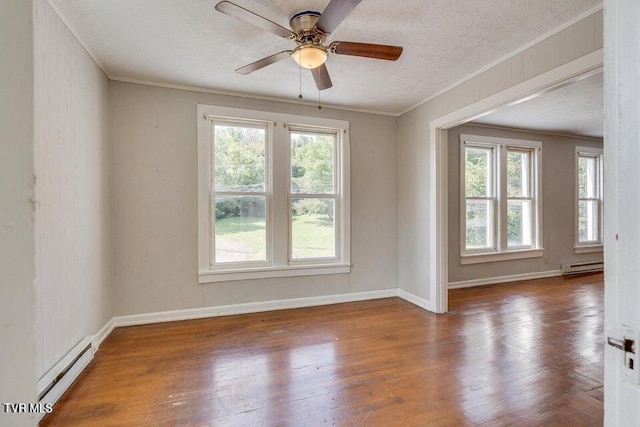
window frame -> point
(531, 190)
(493, 197)
(334, 195)
(267, 193)
(596, 245)
(278, 187)
(501, 250)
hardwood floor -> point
(524, 354)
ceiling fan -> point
(309, 29)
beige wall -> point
(414, 265)
(74, 290)
(558, 157)
(17, 356)
(155, 204)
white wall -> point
(17, 356)
(155, 204)
(558, 181)
(579, 39)
(74, 290)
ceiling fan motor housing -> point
(303, 24)
(304, 21)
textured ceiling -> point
(187, 42)
(575, 109)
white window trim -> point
(501, 252)
(501, 256)
(588, 247)
(272, 272)
(279, 265)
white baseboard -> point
(416, 300)
(102, 334)
(504, 279)
(254, 307)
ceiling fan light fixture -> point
(310, 56)
(309, 30)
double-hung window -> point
(500, 199)
(480, 197)
(240, 188)
(314, 198)
(588, 235)
(273, 195)
(520, 198)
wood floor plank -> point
(520, 354)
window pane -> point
(518, 173)
(587, 177)
(239, 158)
(519, 223)
(312, 163)
(313, 228)
(588, 221)
(240, 229)
(479, 224)
(477, 172)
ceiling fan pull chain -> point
(319, 106)
(300, 75)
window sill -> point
(271, 272)
(500, 256)
(587, 249)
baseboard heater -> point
(582, 267)
(55, 382)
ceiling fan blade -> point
(368, 50)
(247, 16)
(321, 76)
(250, 68)
(334, 14)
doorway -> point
(525, 195)
(438, 150)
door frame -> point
(563, 75)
